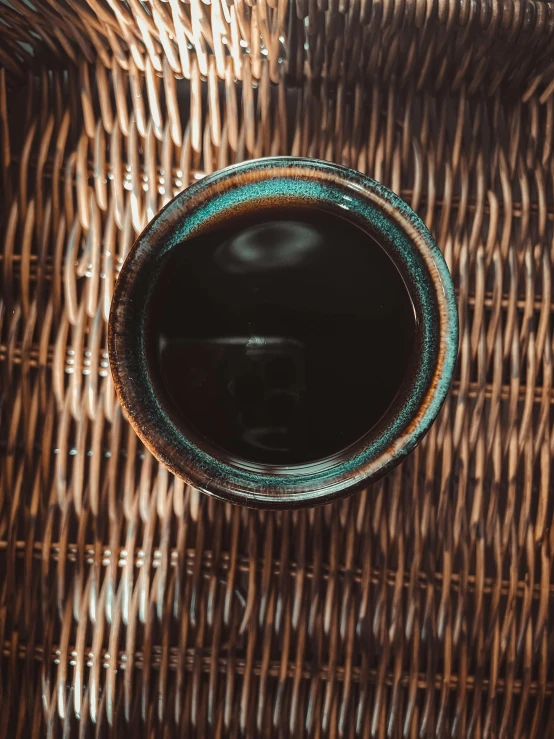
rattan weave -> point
(131, 605)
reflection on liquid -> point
(269, 246)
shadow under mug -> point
(286, 183)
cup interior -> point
(301, 335)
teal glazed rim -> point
(288, 181)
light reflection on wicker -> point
(130, 603)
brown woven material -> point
(131, 605)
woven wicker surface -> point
(130, 603)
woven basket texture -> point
(132, 605)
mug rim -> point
(292, 181)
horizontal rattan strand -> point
(191, 661)
(29, 356)
(517, 209)
(45, 271)
(104, 556)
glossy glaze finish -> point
(294, 182)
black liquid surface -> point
(280, 338)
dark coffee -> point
(280, 337)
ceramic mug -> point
(287, 182)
